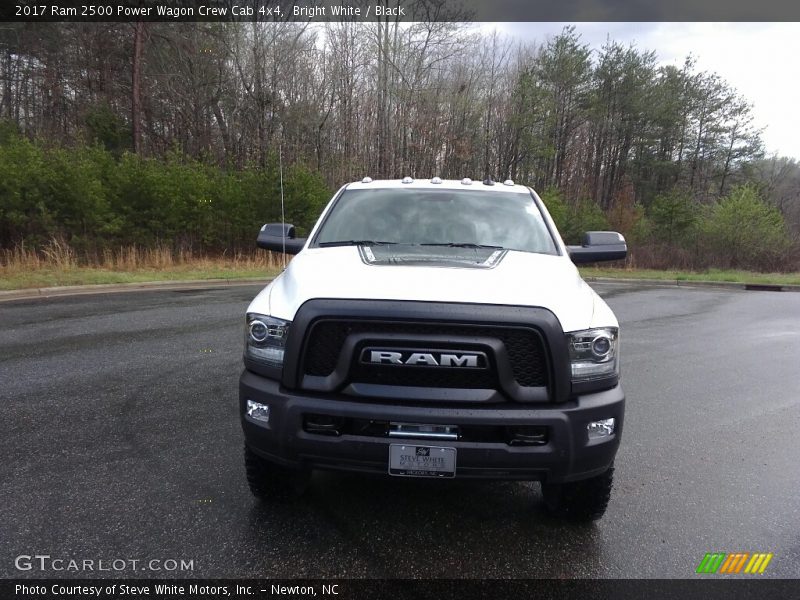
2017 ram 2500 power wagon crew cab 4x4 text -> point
(435, 329)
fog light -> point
(599, 429)
(258, 412)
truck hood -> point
(507, 278)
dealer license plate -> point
(406, 460)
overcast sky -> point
(760, 60)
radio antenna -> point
(283, 213)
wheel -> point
(269, 481)
(584, 500)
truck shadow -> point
(445, 529)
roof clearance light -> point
(466, 181)
(366, 180)
(488, 181)
(436, 180)
(508, 182)
(407, 180)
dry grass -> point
(56, 255)
(59, 264)
(59, 255)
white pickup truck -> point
(439, 329)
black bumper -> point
(568, 454)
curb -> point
(761, 287)
(112, 288)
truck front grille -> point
(524, 346)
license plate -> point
(406, 460)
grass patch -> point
(716, 275)
(58, 265)
(90, 276)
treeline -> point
(610, 131)
(94, 201)
(386, 99)
(740, 230)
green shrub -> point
(25, 211)
(308, 196)
(573, 221)
(743, 231)
(556, 207)
(585, 216)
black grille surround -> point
(327, 336)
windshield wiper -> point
(465, 245)
(355, 243)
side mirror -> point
(598, 246)
(277, 236)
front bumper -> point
(568, 454)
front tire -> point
(580, 501)
(269, 481)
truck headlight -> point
(593, 353)
(265, 339)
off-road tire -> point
(579, 501)
(271, 482)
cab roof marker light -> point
(436, 180)
(508, 182)
(366, 180)
(466, 181)
(407, 180)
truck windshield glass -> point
(444, 217)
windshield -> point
(444, 217)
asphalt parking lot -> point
(120, 440)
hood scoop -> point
(432, 256)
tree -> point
(136, 86)
(563, 67)
(673, 214)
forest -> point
(116, 134)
